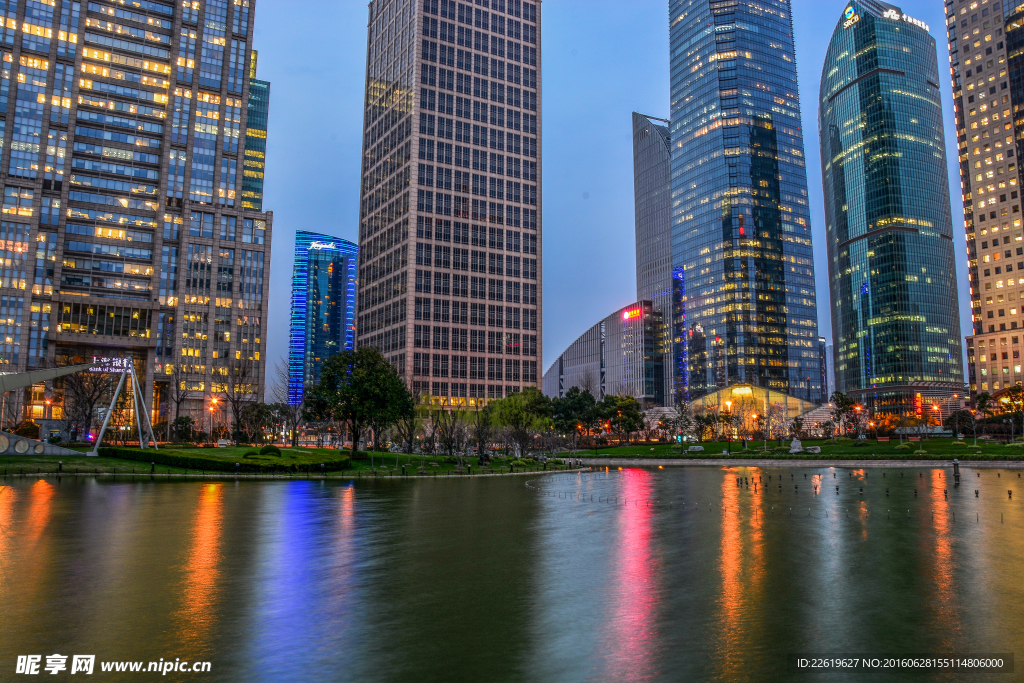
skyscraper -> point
(125, 129)
(257, 119)
(652, 193)
(988, 93)
(449, 231)
(895, 322)
(741, 235)
(323, 306)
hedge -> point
(194, 462)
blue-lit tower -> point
(323, 306)
(741, 234)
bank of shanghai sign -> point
(110, 364)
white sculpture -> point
(796, 447)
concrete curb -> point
(283, 477)
(769, 462)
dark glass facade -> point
(652, 187)
(741, 235)
(895, 323)
(323, 306)
(258, 116)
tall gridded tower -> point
(449, 232)
(892, 278)
(257, 119)
(741, 235)
(125, 127)
(987, 73)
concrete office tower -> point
(652, 191)
(986, 102)
(449, 230)
(895, 323)
(741, 234)
(125, 233)
(323, 306)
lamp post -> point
(213, 407)
(728, 438)
(753, 417)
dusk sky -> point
(602, 60)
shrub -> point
(843, 439)
(251, 454)
(961, 443)
(920, 451)
(1017, 444)
(902, 447)
(270, 449)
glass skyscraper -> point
(124, 132)
(323, 306)
(652, 193)
(257, 119)
(895, 323)
(745, 309)
(450, 215)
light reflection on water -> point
(685, 576)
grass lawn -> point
(937, 449)
(304, 458)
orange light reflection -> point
(201, 572)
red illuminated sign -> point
(635, 313)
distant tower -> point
(323, 306)
(652, 187)
(895, 323)
(741, 232)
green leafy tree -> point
(574, 414)
(523, 414)
(361, 388)
(623, 414)
(843, 411)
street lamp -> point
(213, 407)
(754, 418)
(728, 438)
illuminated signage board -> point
(893, 15)
(635, 313)
(321, 245)
(110, 364)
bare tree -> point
(292, 413)
(84, 392)
(452, 432)
(482, 426)
(405, 430)
(180, 391)
(589, 383)
(240, 387)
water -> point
(682, 576)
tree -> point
(842, 411)
(240, 387)
(681, 419)
(521, 413)
(481, 427)
(254, 418)
(405, 431)
(290, 413)
(986, 406)
(623, 414)
(180, 391)
(359, 387)
(452, 432)
(573, 414)
(83, 394)
(958, 421)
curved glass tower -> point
(895, 324)
(741, 237)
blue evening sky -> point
(602, 60)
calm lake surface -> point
(682, 576)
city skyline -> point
(598, 228)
